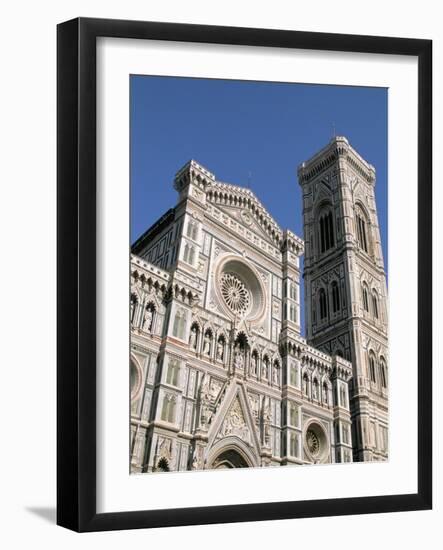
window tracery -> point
(235, 293)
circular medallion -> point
(246, 217)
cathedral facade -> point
(220, 375)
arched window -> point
(343, 399)
(383, 373)
(293, 444)
(293, 414)
(375, 303)
(365, 298)
(326, 231)
(173, 373)
(191, 255)
(322, 304)
(186, 252)
(192, 230)
(361, 223)
(372, 367)
(335, 297)
(345, 430)
(188, 255)
(178, 329)
(305, 384)
(293, 374)
(168, 408)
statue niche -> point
(148, 317)
(241, 349)
(221, 348)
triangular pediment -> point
(241, 204)
(322, 191)
(234, 422)
(245, 217)
(234, 418)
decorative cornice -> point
(338, 147)
(227, 194)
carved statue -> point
(254, 407)
(275, 374)
(254, 364)
(147, 321)
(193, 339)
(205, 402)
(325, 393)
(220, 350)
(133, 304)
(267, 423)
(238, 359)
(207, 344)
(315, 390)
(265, 369)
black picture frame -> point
(76, 279)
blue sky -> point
(247, 133)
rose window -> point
(235, 294)
(313, 443)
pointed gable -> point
(241, 204)
(233, 418)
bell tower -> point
(345, 284)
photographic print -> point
(258, 262)
(222, 274)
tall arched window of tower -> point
(383, 373)
(365, 298)
(375, 303)
(322, 304)
(372, 374)
(326, 236)
(361, 227)
(335, 295)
